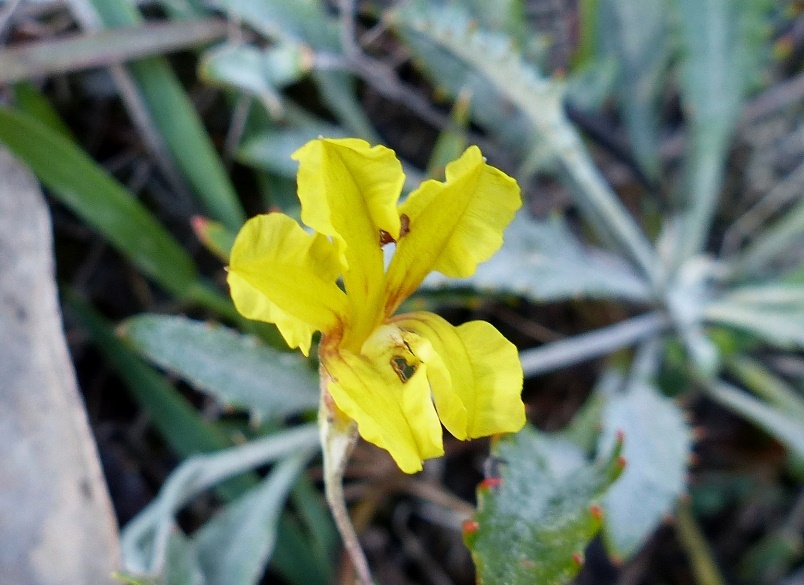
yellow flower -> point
(394, 375)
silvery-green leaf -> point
(657, 449)
(236, 369)
(234, 547)
(534, 521)
(782, 326)
(719, 57)
(303, 21)
(785, 426)
(270, 150)
(544, 261)
(634, 31)
(255, 70)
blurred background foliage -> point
(654, 280)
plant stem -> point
(697, 548)
(338, 438)
(590, 345)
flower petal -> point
(477, 389)
(452, 226)
(281, 274)
(385, 390)
(349, 190)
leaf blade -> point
(235, 369)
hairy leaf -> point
(233, 548)
(657, 449)
(234, 368)
(543, 261)
(534, 521)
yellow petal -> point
(477, 390)
(452, 226)
(349, 190)
(281, 274)
(385, 390)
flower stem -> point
(338, 438)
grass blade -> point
(98, 199)
(175, 116)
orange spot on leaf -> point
(490, 482)
(469, 527)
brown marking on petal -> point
(404, 228)
(385, 238)
(402, 368)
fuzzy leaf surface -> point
(657, 449)
(543, 261)
(233, 547)
(234, 368)
(532, 527)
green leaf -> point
(534, 522)
(634, 31)
(657, 450)
(773, 244)
(762, 382)
(234, 547)
(541, 100)
(29, 100)
(718, 59)
(782, 326)
(543, 261)
(234, 368)
(304, 21)
(215, 237)
(452, 140)
(453, 75)
(787, 428)
(168, 410)
(270, 150)
(188, 433)
(182, 129)
(261, 72)
(98, 199)
(181, 566)
(506, 16)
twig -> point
(590, 345)
(78, 52)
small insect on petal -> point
(578, 559)
(402, 368)
(596, 511)
(404, 222)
